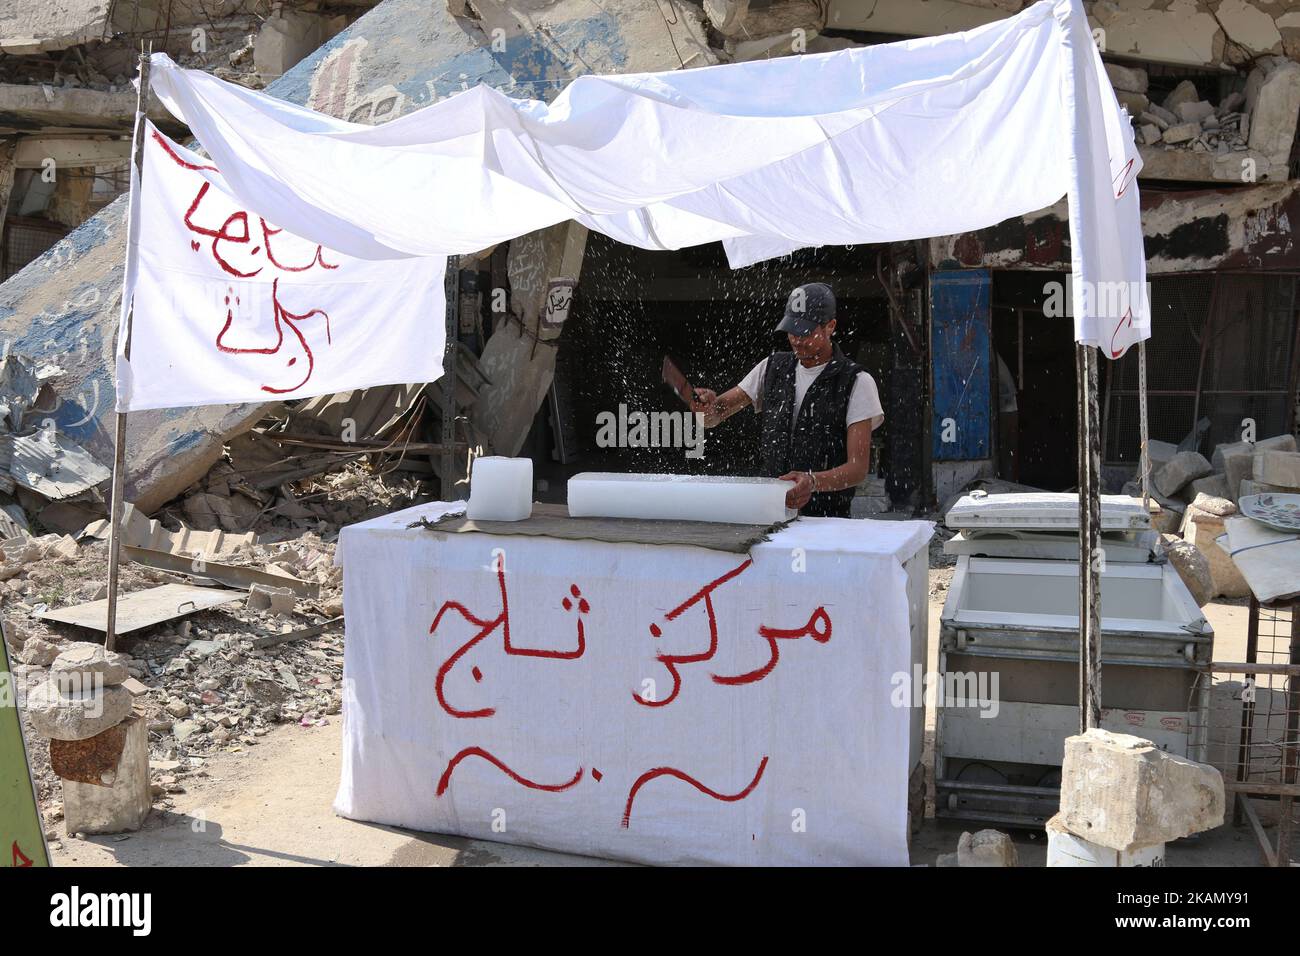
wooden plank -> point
(140, 609)
(230, 575)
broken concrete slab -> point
(1131, 78)
(1179, 470)
(1273, 119)
(1123, 792)
(277, 600)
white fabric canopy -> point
(884, 143)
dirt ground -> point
(270, 806)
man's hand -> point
(798, 496)
(705, 401)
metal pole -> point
(116, 506)
(1090, 555)
(447, 463)
(1144, 462)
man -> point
(818, 409)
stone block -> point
(121, 805)
(1273, 119)
(1182, 133)
(1123, 792)
(1179, 470)
(1202, 529)
(1277, 443)
(1159, 452)
(1278, 468)
(1236, 466)
(1194, 569)
(1130, 78)
(1228, 448)
(1215, 486)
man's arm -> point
(845, 476)
(718, 408)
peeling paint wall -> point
(1246, 228)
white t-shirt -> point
(864, 400)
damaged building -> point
(957, 330)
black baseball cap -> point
(808, 307)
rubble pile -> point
(205, 685)
(1257, 122)
(1196, 494)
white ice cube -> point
(679, 497)
(500, 489)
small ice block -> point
(500, 489)
(594, 494)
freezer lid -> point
(1043, 510)
(1130, 547)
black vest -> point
(819, 440)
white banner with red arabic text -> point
(228, 308)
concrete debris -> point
(1193, 567)
(1280, 468)
(1123, 792)
(279, 601)
(77, 714)
(1215, 505)
(986, 848)
(121, 800)
(1201, 529)
(82, 663)
(1179, 470)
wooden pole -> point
(119, 438)
(1090, 555)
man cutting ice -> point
(818, 408)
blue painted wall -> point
(960, 358)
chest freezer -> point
(1010, 624)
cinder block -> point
(124, 803)
(1124, 793)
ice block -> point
(500, 489)
(595, 494)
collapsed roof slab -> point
(39, 106)
(38, 26)
(400, 56)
